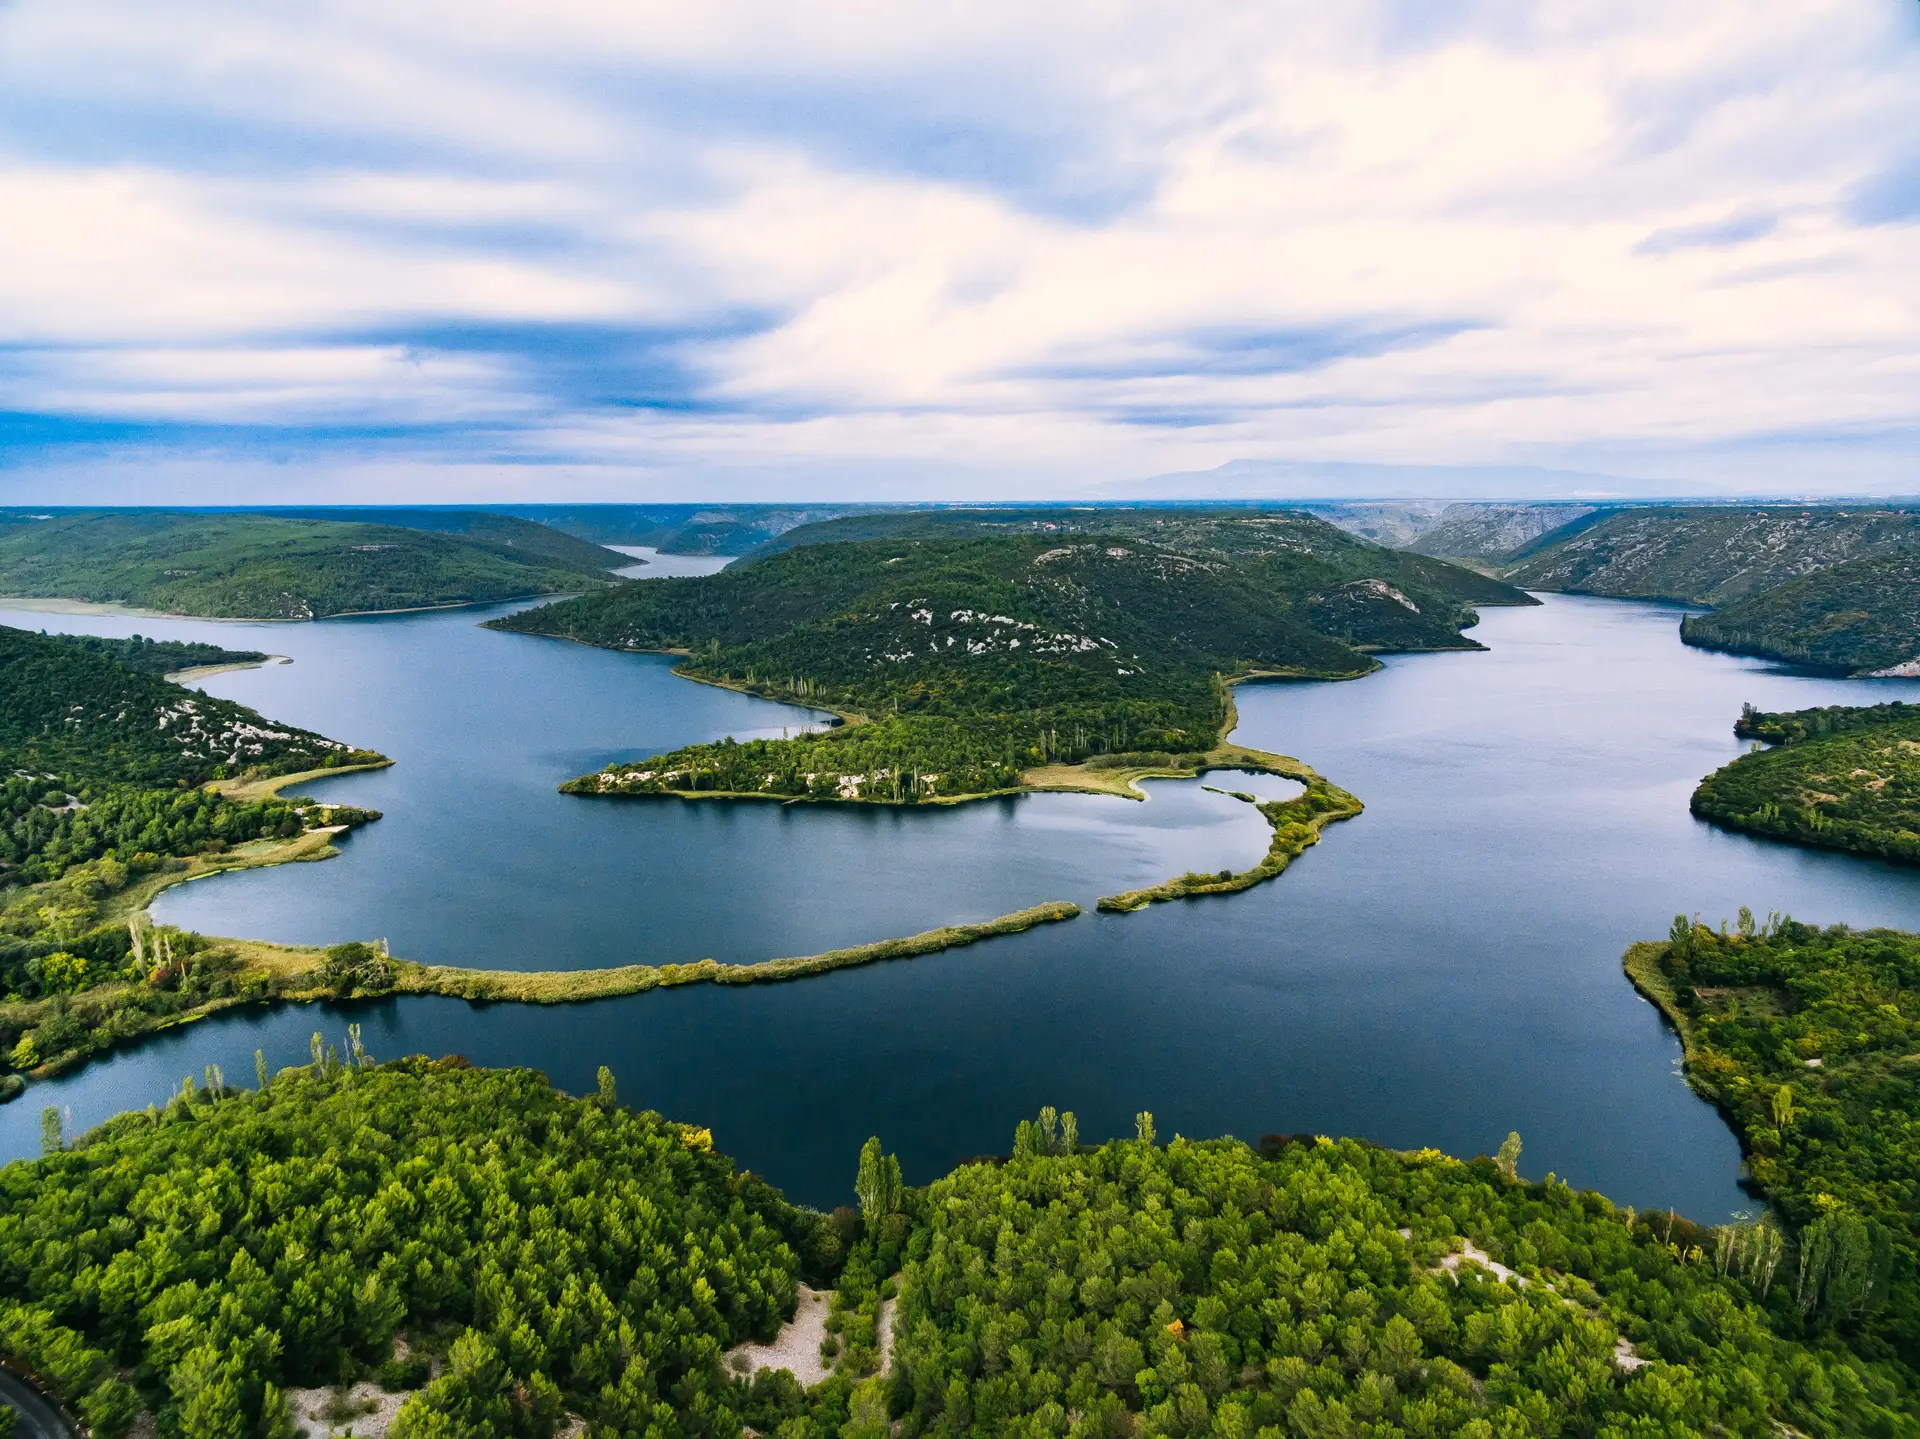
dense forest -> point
(556, 1253)
(252, 566)
(538, 1257)
(105, 772)
(971, 659)
(161, 658)
(1834, 778)
(1858, 618)
(1809, 1041)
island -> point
(1837, 777)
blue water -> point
(1439, 971)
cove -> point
(1438, 971)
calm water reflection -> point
(1439, 971)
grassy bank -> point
(222, 973)
(578, 986)
(1296, 822)
(250, 791)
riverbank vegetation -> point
(1808, 1040)
(1837, 777)
(554, 1257)
(258, 566)
(1297, 824)
(972, 658)
(120, 977)
(112, 790)
(575, 986)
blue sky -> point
(582, 249)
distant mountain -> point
(1336, 480)
(1708, 555)
(681, 529)
(509, 536)
(1491, 533)
(1223, 533)
(1861, 617)
(254, 566)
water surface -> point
(1439, 971)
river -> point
(1439, 971)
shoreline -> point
(61, 605)
(578, 986)
(201, 672)
(285, 974)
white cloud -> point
(969, 242)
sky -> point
(608, 249)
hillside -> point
(1707, 555)
(1861, 617)
(1490, 533)
(508, 536)
(550, 1257)
(680, 529)
(1832, 778)
(975, 658)
(160, 658)
(104, 763)
(244, 566)
(1301, 549)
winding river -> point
(1437, 972)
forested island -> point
(116, 783)
(1837, 777)
(976, 654)
(286, 567)
(511, 1261)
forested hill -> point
(161, 658)
(99, 761)
(1709, 555)
(509, 536)
(69, 710)
(977, 657)
(1301, 550)
(1831, 778)
(543, 1257)
(1809, 1041)
(1859, 618)
(276, 567)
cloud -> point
(1713, 235)
(758, 246)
